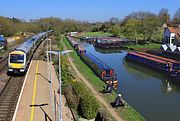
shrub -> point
(88, 105)
(102, 116)
(71, 97)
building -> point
(172, 36)
(72, 34)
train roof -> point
(28, 44)
(98, 62)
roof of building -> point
(171, 29)
(175, 30)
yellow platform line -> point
(34, 92)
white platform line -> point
(15, 113)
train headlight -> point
(21, 70)
(10, 69)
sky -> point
(90, 10)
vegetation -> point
(100, 33)
(176, 18)
(144, 47)
(164, 15)
(88, 106)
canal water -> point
(147, 91)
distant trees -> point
(164, 15)
(115, 30)
(140, 25)
(10, 26)
(176, 18)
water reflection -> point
(143, 73)
(106, 51)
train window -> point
(16, 58)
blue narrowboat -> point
(149, 61)
(102, 70)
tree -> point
(115, 30)
(113, 20)
(140, 25)
(164, 15)
(176, 18)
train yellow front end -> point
(17, 62)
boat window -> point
(16, 58)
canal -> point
(145, 90)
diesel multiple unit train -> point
(102, 70)
(20, 57)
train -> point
(3, 42)
(19, 58)
(102, 70)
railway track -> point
(3, 64)
(9, 97)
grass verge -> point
(91, 34)
(145, 47)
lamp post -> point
(60, 96)
(49, 59)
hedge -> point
(88, 106)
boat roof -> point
(98, 62)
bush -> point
(102, 116)
(88, 105)
(71, 97)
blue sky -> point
(91, 10)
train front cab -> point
(16, 63)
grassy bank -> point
(128, 113)
(91, 34)
(144, 47)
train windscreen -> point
(16, 58)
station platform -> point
(39, 97)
